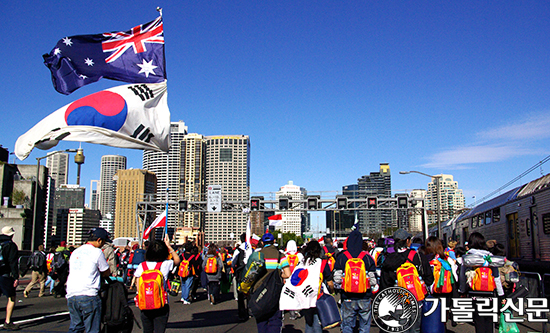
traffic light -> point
(402, 202)
(313, 202)
(342, 202)
(284, 204)
(372, 203)
(254, 204)
(182, 205)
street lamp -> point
(438, 196)
(35, 210)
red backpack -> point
(355, 278)
(211, 266)
(408, 278)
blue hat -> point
(268, 238)
(101, 233)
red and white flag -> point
(160, 221)
(276, 220)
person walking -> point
(61, 268)
(356, 303)
(478, 247)
(186, 273)
(273, 260)
(157, 256)
(87, 264)
(401, 255)
(38, 265)
(9, 273)
(312, 255)
(213, 267)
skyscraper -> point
(377, 184)
(130, 185)
(58, 168)
(66, 197)
(415, 217)
(110, 164)
(193, 177)
(292, 220)
(450, 196)
(228, 165)
(167, 168)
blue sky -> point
(326, 90)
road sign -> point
(214, 199)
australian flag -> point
(133, 56)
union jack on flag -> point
(137, 38)
(76, 61)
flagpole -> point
(167, 190)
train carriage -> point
(519, 219)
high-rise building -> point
(58, 168)
(340, 222)
(377, 184)
(228, 165)
(94, 194)
(193, 177)
(130, 187)
(66, 197)
(451, 198)
(292, 220)
(110, 164)
(167, 168)
(79, 223)
(415, 217)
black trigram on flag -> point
(307, 291)
(289, 293)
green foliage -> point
(18, 197)
(286, 237)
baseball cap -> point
(268, 238)
(8, 231)
(401, 234)
(101, 233)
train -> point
(518, 219)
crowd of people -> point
(353, 272)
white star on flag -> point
(56, 51)
(83, 77)
(67, 41)
(147, 67)
(89, 62)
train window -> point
(474, 222)
(546, 223)
(496, 215)
(528, 227)
(488, 217)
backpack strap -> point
(362, 255)
(144, 266)
(348, 255)
(157, 266)
(411, 255)
(323, 265)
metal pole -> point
(35, 206)
(438, 207)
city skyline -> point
(324, 90)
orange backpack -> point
(184, 268)
(443, 278)
(330, 259)
(211, 266)
(483, 280)
(408, 278)
(355, 278)
(151, 292)
(292, 261)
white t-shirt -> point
(85, 266)
(165, 268)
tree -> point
(18, 197)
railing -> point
(545, 292)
